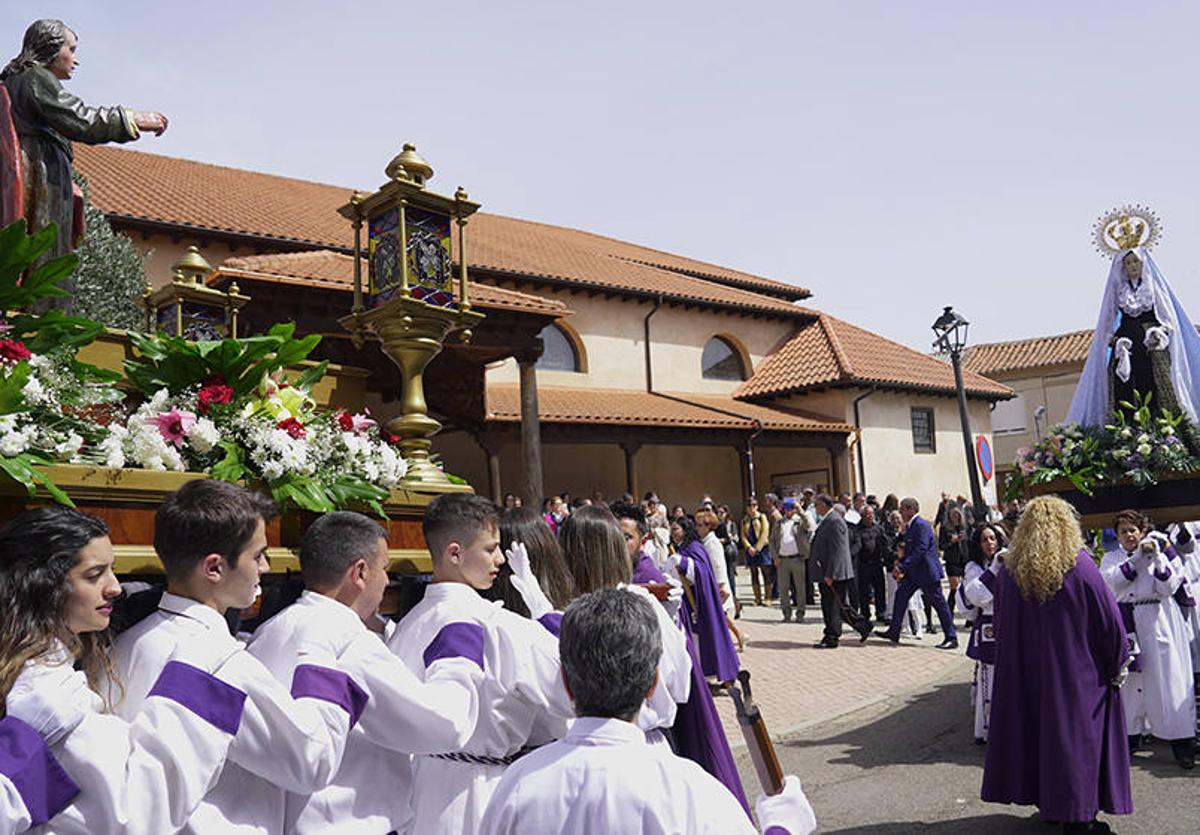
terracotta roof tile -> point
(829, 352)
(335, 270)
(149, 187)
(1025, 354)
(626, 407)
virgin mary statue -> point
(1144, 342)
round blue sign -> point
(983, 452)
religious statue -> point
(38, 122)
(1144, 343)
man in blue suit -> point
(919, 569)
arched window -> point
(558, 351)
(722, 361)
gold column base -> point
(412, 333)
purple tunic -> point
(1057, 736)
(717, 655)
(645, 571)
(699, 735)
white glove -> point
(1158, 338)
(1124, 362)
(525, 583)
(52, 698)
(789, 810)
(997, 561)
(674, 598)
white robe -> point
(284, 744)
(603, 779)
(974, 593)
(716, 557)
(144, 777)
(371, 792)
(521, 689)
(674, 674)
(1159, 699)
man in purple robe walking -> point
(1057, 736)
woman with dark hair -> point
(986, 555)
(703, 608)
(526, 526)
(598, 557)
(728, 535)
(147, 776)
(46, 119)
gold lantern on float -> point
(409, 303)
(185, 306)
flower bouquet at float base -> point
(53, 408)
(228, 408)
(1139, 446)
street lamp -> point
(951, 332)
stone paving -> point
(797, 686)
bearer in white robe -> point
(517, 656)
(975, 595)
(211, 538)
(344, 561)
(144, 777)
(1183, 536)
(102, 774)
(1158, 697)
(603, 778)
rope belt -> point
(1146, 602)
(484, 759)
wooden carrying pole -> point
(758, 740)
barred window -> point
(922, 430)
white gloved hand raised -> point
(526, 583)
(1124, 361)
(789, 810)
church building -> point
(602, 366)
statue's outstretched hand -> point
(152, 121)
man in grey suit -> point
(830, 559)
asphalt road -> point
(911, 765)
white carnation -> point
(203, 435)
(34, 392)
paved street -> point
(881, 738)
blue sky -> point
(891, 157)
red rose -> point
(345, 422)
(390, 438)
(12, 350)
(212, 395)
(293, 427)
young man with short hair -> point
(344, 562)
(211, 538)
(602, 777)
(520, 684)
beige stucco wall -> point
(612, 331)
(159, 252)
(1052, 389)
(889, 461)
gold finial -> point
(1126, 227)
(233, 288)
(191, 266)
(461, 194)
(409, 165)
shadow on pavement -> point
(977, 825)
(937, 727)
(1155, 758)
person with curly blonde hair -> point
(1057, 728)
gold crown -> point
(1126, 227)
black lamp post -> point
(951, 332)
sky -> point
(890, 157)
